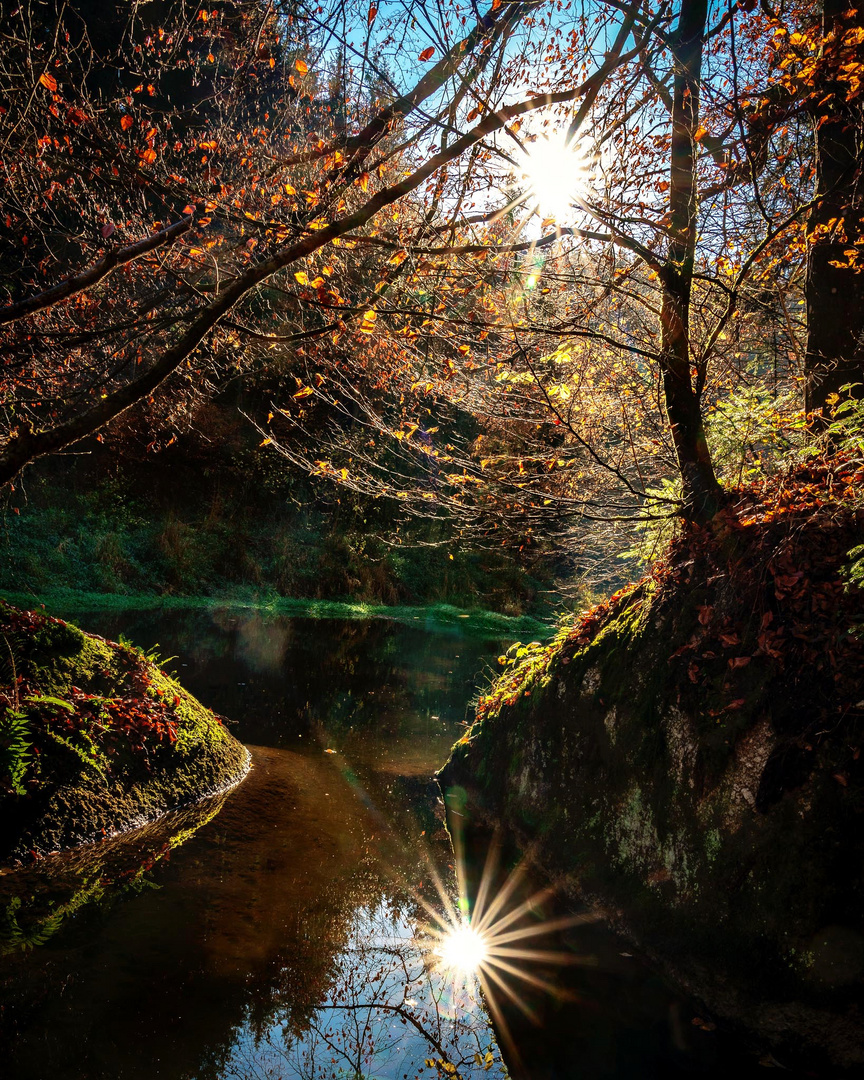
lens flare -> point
(463, 949)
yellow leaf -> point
(398, 257)
(304, 392)
(264, 443)
(364, 182)
(301, 66)
(301, 277)
(289, 190)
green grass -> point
(431, 616)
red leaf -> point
(427, 54)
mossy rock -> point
(95, 738)
(692, 763)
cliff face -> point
(687, 756)
(95, 738)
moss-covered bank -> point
(95, 738)
(687, 756)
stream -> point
(282, 929)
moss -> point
(112, 741)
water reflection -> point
(388, 1013)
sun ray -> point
(522, 974)
(509, 992)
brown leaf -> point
(739, 662)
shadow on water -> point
(272, 932)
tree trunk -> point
(703, 495)
(835, 294)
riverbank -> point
(472, 621)
(95, 738)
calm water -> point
(278, 931)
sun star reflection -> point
(463, 949)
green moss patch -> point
(95, 738)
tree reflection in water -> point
(391, 1011)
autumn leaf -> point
(398, 257)
(149, 155)
(427, 54)
(373, 11)
(301, 67)
(364, 182)
(290, 189)
(48, 81)
(304, 392)
(301, 277)
(126, 123)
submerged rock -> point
(95, 738)
(688, 758)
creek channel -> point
(277, 930)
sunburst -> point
(495, 944)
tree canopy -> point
(528, 264)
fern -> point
(91, 760)
(15, 742)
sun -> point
(463, 949)
(557, 173)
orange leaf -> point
(364, 182)
(373, 11)
(48, 81)
(126, 123)
(149, 155)
(427, 54)
(301, 66)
